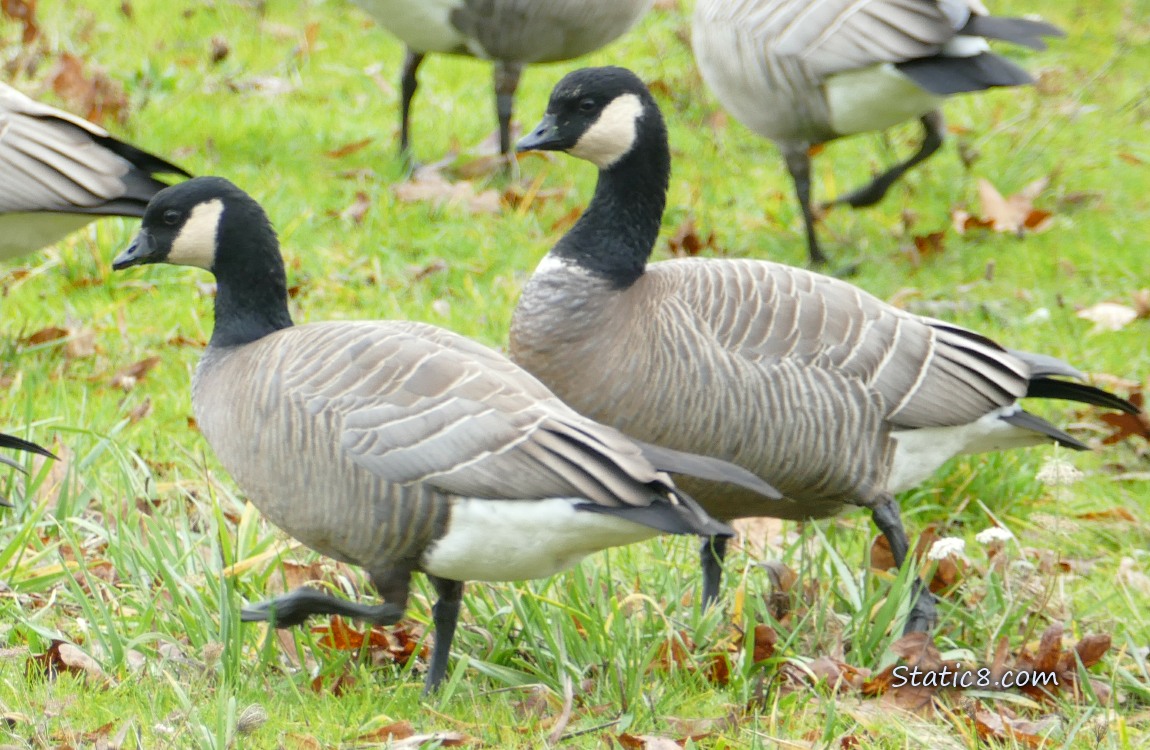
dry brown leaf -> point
(24, 12)
(1141, 300)
(1128, 425)
(95, 96)
(646, 742)
(127, 378)
(1109, 514)
(358, 208)
(441, 739)
(141, 411)
(44, 335)
(62, 656)
(81, 343)
(765, 641)
(927, 246)
(302, 742)
(1016, 213)
(337, 685)
(348, 148)
(220, 50)
(400, 730)
(430, 186)
(1109, 316)
(685, 240)
(998, 726)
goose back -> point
(524, 31)
(799, 376)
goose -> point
(510, 33)
(58, 172)
(19, 444)
(398, 446)
(805, 72)
(834, 395)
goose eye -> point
(171, 217)
(587, 105)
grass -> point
(137, 547)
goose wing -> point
(51, 160)
(423, 405)
(832, 36)
(929, 373)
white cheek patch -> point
(195, 245)
(611, 136)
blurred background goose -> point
(830, 393)
(399, 446)
(19, 444)
(510, 33)
(804, 72)
(58, 172)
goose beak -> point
(545, 136)
(140, 251)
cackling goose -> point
(399, 446)
(834, 395)
(58, 172)
(15, 443)
(511, 33)
(804, 72)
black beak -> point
(139, 252)
(545, 136)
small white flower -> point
(946, 547)
(1058, 472)
(992, 535)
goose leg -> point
(292, 609)
(889, 522)
(799, 165)
(712, 553)
(445, 616)
(506, 82)
(874, 191)
(407, 84)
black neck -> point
(251, 287)
(616, 234)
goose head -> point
(204, 222)
(209, 223)
(597, 114)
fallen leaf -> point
(358, 208)
(646, 742)
(93, 95)
(686, 242)
(927, 246)
(996, 726)
(24, 12)
(44, 335)
(348, 148)
(127, 378)
(1109, 316)
(62, 656)
(220, 50)
(1109, 514)
(1128, 425)
(400, 730)
(1015, 214)
(430, 186)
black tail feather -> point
(1028, 421)
(1017, 30)
(10, 441)
(1087, 394)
